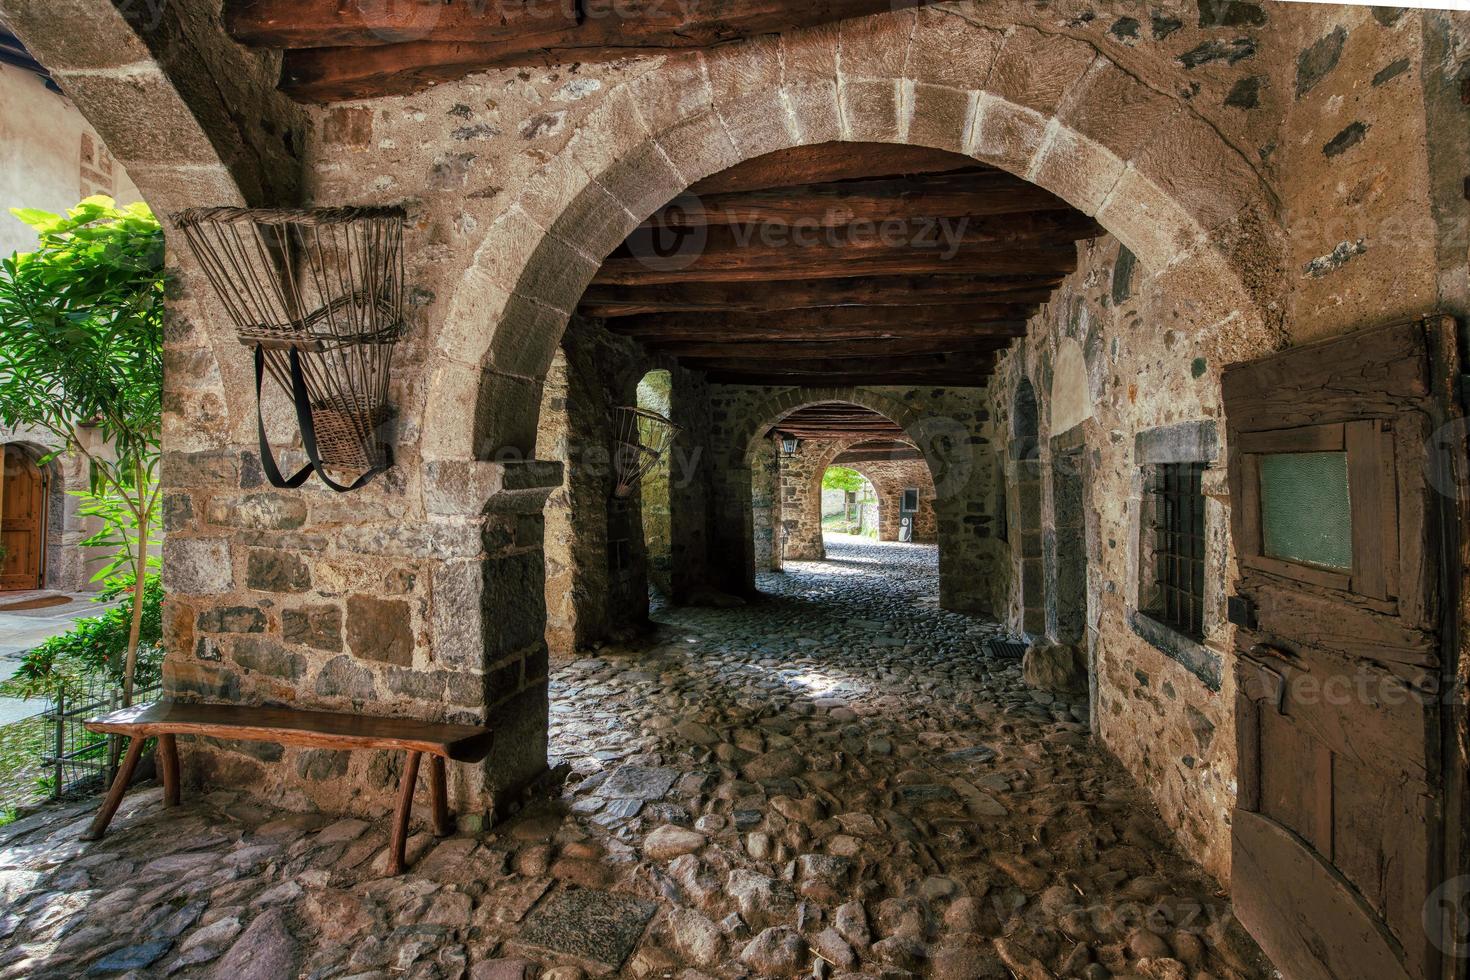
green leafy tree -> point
(81, 346)
(842, 478)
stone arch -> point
(1174, 192)
(930, 435)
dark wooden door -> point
(1337, 834)
(22, 522)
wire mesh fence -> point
(79, 761)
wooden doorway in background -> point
(23, 522)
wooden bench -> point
(318, 729)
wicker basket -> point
(318, 295)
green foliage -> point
(95, 646)
(81, 345)
(119, 532)
(8, 815)
(842, 478)
(81, 327)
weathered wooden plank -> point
(986, 258)
(1300, 908)
(1381, 371)
(612, 301)
(821, 162)
(978, 194)
(323, 729)
(764, 379)
(377, 49)
(526, 26)
(843, 349)
(961, 322)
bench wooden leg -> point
(443, 826)
(168, 761)
(398, 844)
(115, 794)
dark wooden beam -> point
(906, 454)
(918, 364)
(954, 379)
(350, 49)
(531, 26)
(977, 194)
(993, 259)
(822, 162)
(958, 322)
(799, 294)
(855, 348)
(766, 243)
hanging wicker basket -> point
(318, 295)
(643, 437)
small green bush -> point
(96, 647)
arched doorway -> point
(23, 519)
(655, 394)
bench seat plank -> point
(322, 729)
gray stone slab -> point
(597, 927)
(638, 783)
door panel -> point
(1336, 832)
(22, 522)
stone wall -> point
(801, 498)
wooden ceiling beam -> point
(904, 455)
(902, 365)
(977, 194)
(778, 295)
(941, 379)
(351, 49)
(673, 248)
(823, 162)
(528, 27)
(961, 321)
(845, 349)
(982, 259)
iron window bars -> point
(1179, 548)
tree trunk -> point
(140, 581)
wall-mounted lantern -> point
(789, 445)
(318, 295)
(642, 439)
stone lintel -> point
(1184, 442)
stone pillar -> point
(1024, 479)
(489, 612)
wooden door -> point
(1337, 833)
(22, 522)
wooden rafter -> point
(842, 264)
(346, 49)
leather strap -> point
(308, 434)
(268, 458)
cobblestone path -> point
(836, 780)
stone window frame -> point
(1195, 442)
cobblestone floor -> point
(833, 781)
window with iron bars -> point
(1172, 586)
